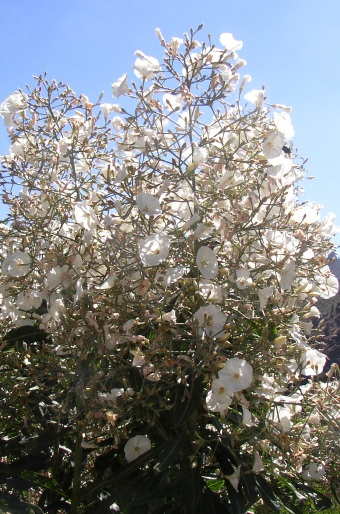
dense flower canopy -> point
(166, 252)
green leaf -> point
(215, 484)
(187, 400)
(225, 456)
(170, 453)
(320, 500)
(27, 333)
(266, 492)
(249, 486)
(237, 501)
(131, 468)
(290, 486)
(212, 503)
(44, 482)
(194, 489)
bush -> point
(159, 277)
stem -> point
(76, 475)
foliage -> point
(159, 273)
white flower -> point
(264, 295)
(210, 291)
(218, 399)
(16, 102)
(170, 317)
(243, 279)
(106, 109)
(16, 264)
(280, 416)
(146, 67)
(228, 40)
(312, 362)
(148, 204)
(236, 374)
(138, 358)
(29, 299)
(120, 86)
(174, 274)
(136, 446)
(211, 320)
(207, 262)
(234, 479)
(174, 45)
(256, 97)
(327, 283)
(272, 146)
(287, 275)
(108, 283)
(59, 276)
(313, 312)
(172, 102)
(112, 396)
(258, 463)
(85, 216)
(199, 155)
(79, 291)
(230, 178)
(283, 124)
(154, 249)
(314, 471)
(247, 418)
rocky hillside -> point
(330, 310)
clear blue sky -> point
(291, 46)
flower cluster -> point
(165, 248)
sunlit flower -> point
(287, 275)
(174, 45)
(172, 102)
(256, 97)
(314, 471)
(146, 67)
(327, 283)
(312, 362)
(207, 262)
(108, 282)
(154, 249)
(59, 276)
(174, 274)
(112, 396)
(283, 124)
(218, 400)
(211, 320)
(229, 42)
(16, 264)
(243, 278)
(234, 479)
(148, 204)
(313, 312)
(258, 463)
(247, 417)
(120, 86)
(85, 216)
(236, 374)
(106, 109)
(138, 358)
(272, 146)
(14, 103)
(210, 291)
(264, 295)
(280, 416)
(136, 446)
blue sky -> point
(291, 46)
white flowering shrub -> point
(159, 281)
